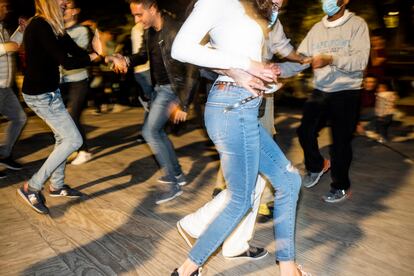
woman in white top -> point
(245, 148)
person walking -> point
(47, 45)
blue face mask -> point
(330, 7)
(273, 16)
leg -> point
(286, 182)
(154, 134)
(313, 120)
(77, 93)
(343, 111)
(236, 136)
(238, 242)
(50, 108)
(13, 111)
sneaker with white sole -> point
(312, 178)
(179, 179)
(34, 199)
(336, 195)
(82, 158)
(65, 191)
(172, 192)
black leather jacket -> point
(183, 77)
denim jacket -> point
(182, 76)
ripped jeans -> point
(246, 149)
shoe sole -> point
(10, 167)
(183, 183)
(52, 195)
(318, 178)
(168, 199)
(4, 176)
(247, 258)
(29, 203)
(183, 234)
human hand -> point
(178, 115)
(119, 64)
(249, 82)
(262, 71)
(11, 46)
(22, 24)
(320, 61)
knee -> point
(75, 141)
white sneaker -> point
(82, 157)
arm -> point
(359, 51)
(187, 44)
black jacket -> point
(183, 77)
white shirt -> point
(235, 38)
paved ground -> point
(118, 230)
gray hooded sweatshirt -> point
(347, 40)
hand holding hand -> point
(119, 64)
(320, 61)
(261, 71)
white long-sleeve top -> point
(235, 38)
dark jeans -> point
(74, 95)
(341, 110)
(382, 124)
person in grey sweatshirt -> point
(339, 46)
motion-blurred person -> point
(9, 104)
(47, 45)
(384, 110)
(339, 46)
(231, 118)
(173, 84)
(74, 85)
(142, 72)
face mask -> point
(273, 16)
(330, 7)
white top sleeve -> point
(187, 48)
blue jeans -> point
(144, 80)
(50, 108)
(246, 149)
(154, 133)
(11, 109)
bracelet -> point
(127, 61)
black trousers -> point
(341, 110)
(74, 95)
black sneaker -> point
(172, 192)
(66, 191)
(195, 273)
(336, 195)
(10, 164)
(140, 139)
(253, 253)
(216, 191)
(2, 175)
(34, 199)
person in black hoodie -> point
(174, 85)
(47, 46)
